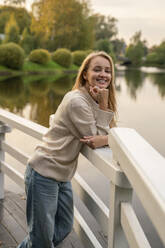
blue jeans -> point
(49, 210)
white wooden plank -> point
(145, 169)
(132, 228)
(13, 174)
(84, 232)
(94, 204)
(15, 152)
(26, 126)
(101, 158)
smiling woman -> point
(83, 117)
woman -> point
(84, 117)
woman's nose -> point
(103, 73)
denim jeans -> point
(49, 210)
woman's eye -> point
(97, 69)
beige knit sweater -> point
(78, 115)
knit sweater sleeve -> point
(87, 120)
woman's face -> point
(99, 73)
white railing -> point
(135, 165)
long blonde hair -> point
(80, 80)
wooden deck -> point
(13, 227)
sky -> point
(134, 15)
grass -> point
(30, 67)
(51, 66)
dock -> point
(13, 228)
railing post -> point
(116, 237)
(3, 129)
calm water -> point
(141, 105)
(140, 95)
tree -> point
(21, 15)
(11, 31)
(4, 17)
(103, 45)
(137, 49)
(157, 55)
(65, 23)
(27, 41)
(119, 46)
(105, 27)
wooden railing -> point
(135, 165)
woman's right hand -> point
(101, 96)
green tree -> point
(119, 46)
(137, 49)
(103, 45)
(105, 26)
(157, 55)
(22, 17)
(11, 31)
(106, 46)
(65, 23)
(27, 41)
(4, 17)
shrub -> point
(63, 57)
(39, 56)
(78, 57)
(11, 55)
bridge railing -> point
(135, 165)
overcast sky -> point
(134, 15)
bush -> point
(78, 57)
(11, 55)
(39, 56)
(63, 57)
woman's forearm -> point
(95, 141)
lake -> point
(141, 105)
(140, 97)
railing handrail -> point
(107, 167)
(145, 170)
(130, 167)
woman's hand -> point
(101, 96)
(95, 141)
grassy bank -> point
(33, 68)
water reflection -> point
(43, 94)
(39, 87)
(13, 94)
(159, 80)
(134, 80)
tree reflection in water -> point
(158, 79)
(46, 95)
(134, 80)
(36, 97)
(13, 95)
